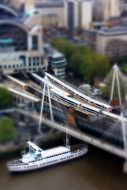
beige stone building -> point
(105, 9)
(52, 13)
(112, 42)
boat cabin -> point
(33, 153)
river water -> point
(98, 170)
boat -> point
(36, 158)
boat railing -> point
(19, 162)
(16, 163)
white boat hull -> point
(39, 164)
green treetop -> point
(5, 98)
(83, 61)
(7, 130)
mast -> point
(116, 75)
(116, 78)
(46, 88)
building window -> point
(34, 61)
(23, 58)
(38, 61)
(34, 42)
(41, 60)
(34, 69)
(12, 37)
(29, 61)
(44, 68)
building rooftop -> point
(117, 31)
(55, 151)
(56, 54)
(112, 31)
(49, 4)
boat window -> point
(31, 150)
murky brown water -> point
(97, 171)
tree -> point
(124, 67)
(106, 92)
(83, 61)
(7, 130)
(5, 98)
(64, 46)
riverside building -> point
(20, 42)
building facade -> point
(57, 63)
(86, 17)
(104, 10)
(20, 45)
(111, 42)
(52, 12)
(78, 14)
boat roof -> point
(55, 151)
(34, 146)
